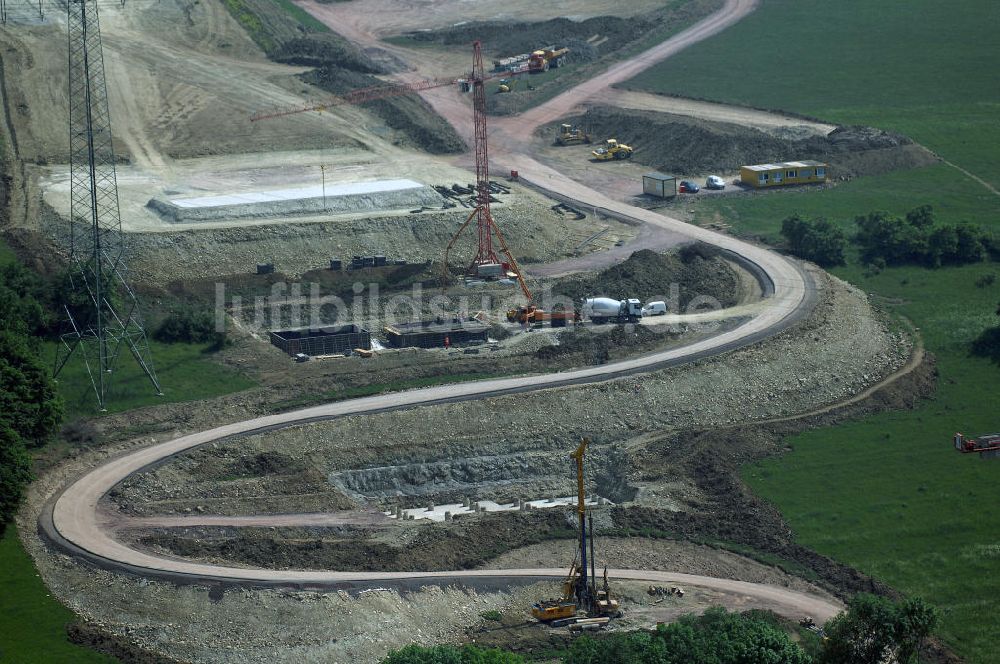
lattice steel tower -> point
(107, 313)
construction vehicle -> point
(604, 309)
(506, 84)
(571, 135)
(987, 445)
(562, 607)
(545, 59)
(579, 588)
(604, 603)
(529, 314)
(512, 63)
(612, 150)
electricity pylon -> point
(104, 314)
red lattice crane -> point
(486, 261)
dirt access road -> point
(76, 523)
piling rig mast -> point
(105, 311)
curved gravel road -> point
(74, 521)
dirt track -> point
(75, 518)
(705, 110)
(74, 521)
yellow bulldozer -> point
(507, 85)
(571, 135)
(612, 149)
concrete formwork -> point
(322, 341)
(432, 334)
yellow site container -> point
(784, 173)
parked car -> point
(658, 308)
(715, 182)
(688, 187)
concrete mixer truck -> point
(605, 309)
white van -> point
(715, 182)
(655, 309)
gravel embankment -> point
(510, 447)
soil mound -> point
(596, 36)
(684, 145)
(418, 123)
(696, 270)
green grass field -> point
(922, 67)
(185, 372)
(886, 494)
(33, 628)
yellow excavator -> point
(579, 593)
(612, 150)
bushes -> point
(24, 301)
(28, 401)
(886, 240)
(818, 240)
(717, 636)
(15, 473)
(467, 654)
(690, 252)
(30, 411)
(875, 629)
(193, 326)
(915, 240)
(987, 344)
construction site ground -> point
(667, 446)
(666, 481)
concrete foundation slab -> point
(437, 512)
(343, 198)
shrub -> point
(915, 240)
(467, 654)
(987, 344)
(717, 636)
(876, 629)
(818, 240)
(701, 250)
(189, 325)
(15, 473)
(28, 401)
(986, 280)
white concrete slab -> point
(437, 514)
(332, 191)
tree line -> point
(30, 409)
(884, 240)
(872, 630)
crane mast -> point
(484, 220)
(486, 227)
